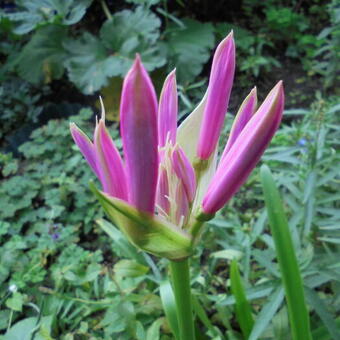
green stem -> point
(181, 286)
(106, 9)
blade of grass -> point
(169, 305)
(291, 277)
(242, 306)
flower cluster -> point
(169, 182)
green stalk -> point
(181, 287)
(290, 272)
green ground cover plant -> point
(61, 275)
(67, 271)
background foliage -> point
(61, 277)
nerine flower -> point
(168, 182)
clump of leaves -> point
(18, 105)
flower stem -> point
(181, 286)
(106, 9)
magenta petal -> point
(167, 111)
(138, 116)
(245, 112)
(162, 198)
(220, 84)
(112, 170)
(245, 151)
(182, 205)
(86, 147)
(184, 171)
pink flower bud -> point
(109, 161)
(167, 111)
(184, 171)
(220, 84)
(138, 115)
(245, 112)
(245, 152)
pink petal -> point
(245, 112)
(86, 147)
(184, 171)
(138, 115)
(245, 152)
(220, 84)
(162, 198)
(182, 205)
(167, 111)
(112, 170)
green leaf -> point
(43, 56)
(24, 329)
(243, 309)
(15, 302)
(89, 65)
(30, 15)
(202, 315)
(169, 305)
(153, 331)
(267, 313)
(321, 309)
(129, 268)
(290, 272)
(141, 24)
(131, 32)
(227, 254)
(322, 333)
(190, 47)
(121, 246)
(146, 231)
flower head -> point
(169, 182)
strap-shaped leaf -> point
(144, 230)
(169, 305)
(290, 271)
(242, 306)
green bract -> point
(146, 231)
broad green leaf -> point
(153, 331)
(42, 57)
(140, 24)
(227, 254)
(15, 302)
(290, 272)
(30, 15)
(189, 47)
(129, 268)
(146, 231)
(89, 65)
(93, 61)
(169, 305)
(243, 309)
(119, 317)
(130, 32)
(23, 329)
